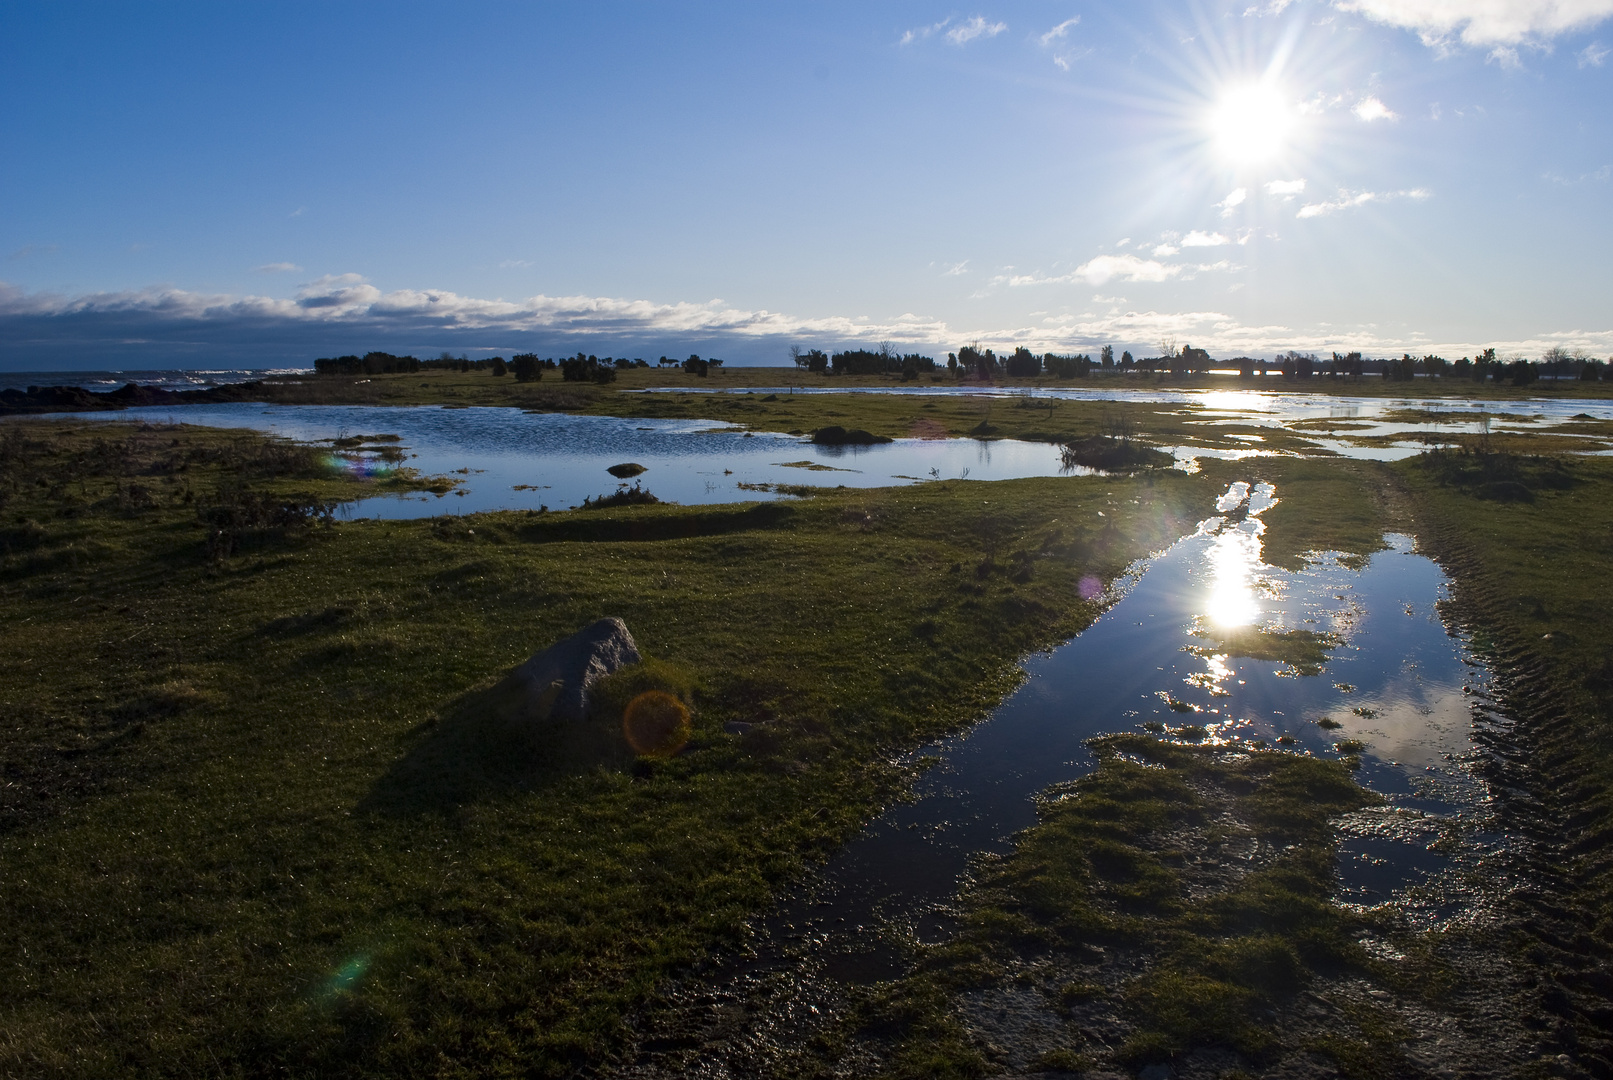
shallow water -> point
(1277, 408)
(506, 459)
(1397, 682)
(163, 379)
(1276, 403)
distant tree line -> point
(974, 362)
(528, 367)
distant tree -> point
(1434, 365)
(1067, 367)
(527, 367)
(1023, 364)
(1126, 361)
(973, 360)
(798, 356)
(1107, 357)
(858, 362)
(1191, 359)
(499, 367)
(696, 366)
(952, 363)
(817, 361)
(1521, 372)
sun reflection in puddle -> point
(1234, 558)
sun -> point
(1251, 124)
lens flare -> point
(656, 724)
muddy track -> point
(1548, 776)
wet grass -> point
(1324, 505)
(1173, 904)
(1304, 651)
(260, 816)
(1534, 584)
(483, 388)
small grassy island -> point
(246, 828)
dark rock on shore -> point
(835, 435)
(37, 399)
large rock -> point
(835, 435)
(558, 678)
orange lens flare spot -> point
(656, 724)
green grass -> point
(484, 388)
(1181, 895)
(1534, 585)
(1305, 651)
(261, 815)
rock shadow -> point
(489, 743)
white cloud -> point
(1234, 199)
(171, 322)
(510, 264)
(966, 32)
(1484, 22)
(1592, 55)
(279, 268)
(1285, 188)
(1059, 32)
(1274, 7)
(348, 301)
(1105, 268)
(1347, 201)
(1122, 242)
(1203, 239)
(921, 32)
(1319, 103)
(956, 269)
(1164, 250)
(1369, 109)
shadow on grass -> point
(489, 743)
(661, 524)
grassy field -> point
(484, 388)
(253, 824)
(255, 817)
(1529, 543)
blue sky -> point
(196, 185)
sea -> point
(166, 379)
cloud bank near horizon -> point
(171, 327)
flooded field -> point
(505, 459)
(510, 460)
(1369, 670)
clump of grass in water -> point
(1306, 651)
(1101, 909)
(623, 496)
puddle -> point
(1397, 689)
(510, 460)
